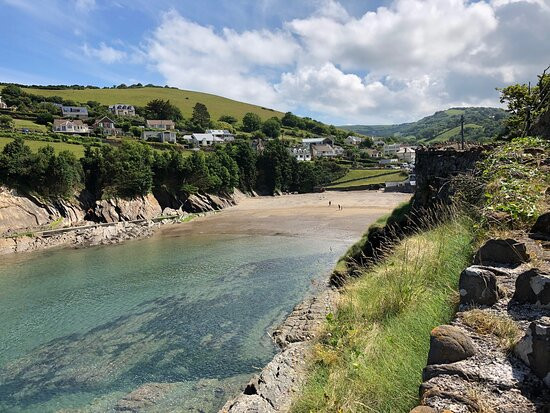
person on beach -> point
(329, 203)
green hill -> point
(183, 99)
(480, 124)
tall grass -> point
(371, 355)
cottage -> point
(3, 105)
(121, 109)
(223, 134)
(70, 126)
(159, 136)
(206, 139)
(300, 153)
(161, 124)
(316, 141)
(322, 151)
(106, 126)
(406, 154)
(353, 140)
(374, 153)
(338, 150)
(391, 149)
(77, 112)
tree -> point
(272, 128)
(251, 122)
(200, 116)
(43, 118)
(162, 109)
(6, 122)
(232, 120)
(290, 120)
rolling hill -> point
(183, 99)
(480, 123)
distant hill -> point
(183, 99)
(479, 124)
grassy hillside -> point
(361, 177)
(183, 99)
(78, 150)
(480, 124)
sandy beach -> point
(303, 215)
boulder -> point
(478, 286)
(533, 287)
(534, 349)
(502, 251)
(449, 344)
(197, 203)
(541, 229)
(117, 209)
(423, 409)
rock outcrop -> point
(117, 209)
(273, 389)
(534, 349)
(533, 287)
(502, 251)
(478, 286)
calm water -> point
(80, 329)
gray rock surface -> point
(449, 344)
(117, 209)
(534, 349)
(541, 229)
(478, 286)
(533, 287)
(502, 251)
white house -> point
(316, 141)
(160, 136)
(3, 105)
(206, 139)
(160, 124)
(353, 140)
(78, 112)
(75, 126)
(223, 134)
(322, 151)
(300, 153)
(391, 149)
(121, 109)
(406, 154)
(338, 150)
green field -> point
(448, 134)
(78, 150)
(29, 124)
(360, 177)
(183, 99)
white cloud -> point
(85, 5)
(104, 53)
(393, 64)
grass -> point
(452, 112)
(183, 99)
(485, 322)
(373, 350)
(371, 177)
(78, 150)
(29, 124)
(451, 133)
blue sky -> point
(339, 61)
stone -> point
(449, 344)
(541, 229)
(502, 251)
(534, 349)
(533, 287)
(423, 409)
(478, 286)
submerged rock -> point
(449, 344)
(502, 251)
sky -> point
(341, 62)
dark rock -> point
(502, 251)
(541, 229)
(533, 287)
(534, 349)
(448, 344)
(478, 286)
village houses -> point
(159, 135)
(70, 126)
(353, 140)
(301, 153)
(78, 112)
(406, 154)
(121, 109)
(160, 124)
(3, 105)
(107, 126)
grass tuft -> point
(484, 322)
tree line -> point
(134, 169)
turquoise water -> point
(80, 329)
